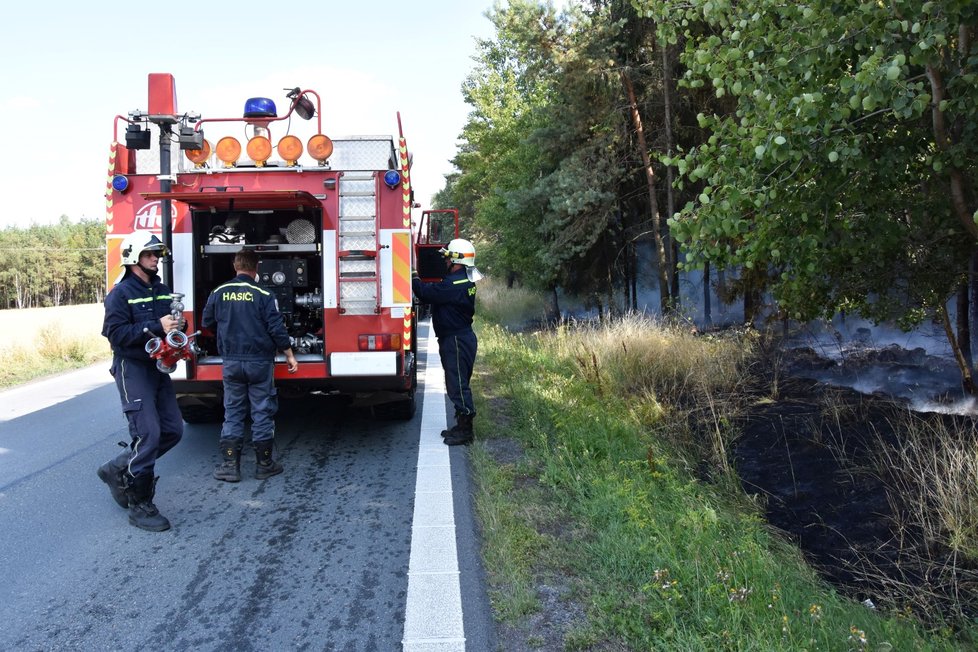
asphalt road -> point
(314, 559)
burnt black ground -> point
(809, 451)
(792, 457)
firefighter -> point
(250, 330)
(452, 303)
(136, 310)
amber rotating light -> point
(290, 149)
(199, 156)
(259, 149)
(228, 151)
(320, 148)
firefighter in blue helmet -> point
(136, 310)
(250, 330)
(452, 303)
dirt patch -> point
(504, 450)
(546, 628)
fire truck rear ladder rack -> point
(358, 280)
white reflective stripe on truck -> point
(329, 269)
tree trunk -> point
(629, 277)
(21, 291)
(665, 302)
(633, 264)
(670, 198)
(722, 284)
(551, 311)
(942, 139)
(967, 381)
(964, 327)
(707, 307)
(973, 299)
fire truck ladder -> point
(359, 282)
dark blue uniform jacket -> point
(130, 307)
(452, 303)
(249, 325)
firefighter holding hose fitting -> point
(136, 310)
(452, 309)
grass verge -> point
(588, 484)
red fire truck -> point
(330, 218)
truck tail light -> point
(380, 342)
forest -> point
(821, 155)
(52, 265)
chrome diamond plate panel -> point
(362, 154)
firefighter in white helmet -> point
(452, 303)
(136, 310)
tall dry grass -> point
(930, 469)
(43, 341)
(511, 308)
(679, 382)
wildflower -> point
(858, 637)
(784, 624)
(739, 595)
(723, 576)
(660, 579)
(815, 612)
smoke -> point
(916, 366)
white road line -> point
(433, 614)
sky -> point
(70, 68)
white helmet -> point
(460, 252)
(137, 242)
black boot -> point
(113, 473)
(463, 434)
(454, 429)
(267, 467)
(229, 469)
(142, 512)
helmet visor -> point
(158, 249)
(458, 257)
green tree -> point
(497, 161)
(846, 173)
(51, 265)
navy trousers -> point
(150, 406)
(457, 359)
(249, 388)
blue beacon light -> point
(120, 183)
(392, 178)
(259, 107)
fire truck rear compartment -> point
(290, 266)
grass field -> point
(43, 341)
